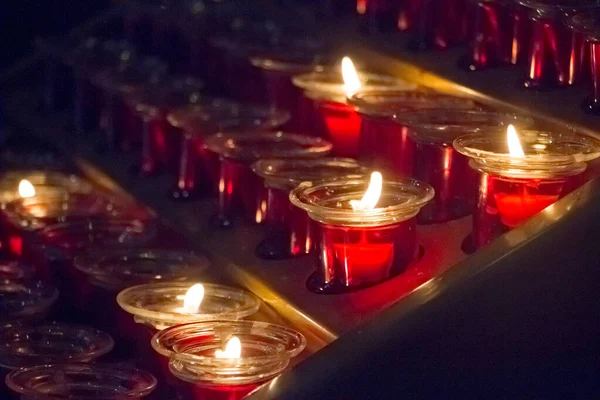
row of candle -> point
(91, 245)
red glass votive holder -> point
(433, 159)
(291, 231)
(239, 188)
(499, 33)
(82, 381)
(194, 167)
(26, 300)
(384, 143)
(359, 248)
(437, 24)
(265, 352)
(109, 271)
(336, 119)
(513, 188)
(588, 24)
(557, 54)
(151, 104)
(114, 85)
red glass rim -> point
(389, 103)
(252, 146)
(442, 126)
(90, 381)
(20, 299)
(121, 268)
(287, 174)
(329, 201)
(214, 114)
(51, 342)
(16, 270)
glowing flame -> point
(233, 349)
(371, 196)
(193, 299)
(26, 189)
(514, 144)
(351, 81)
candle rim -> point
(46, 295)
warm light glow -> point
(371, 196)
(351, 81)
(514, 144)
(193, 299)
(233, 349)
(26, 189)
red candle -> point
(238, 186)
(521, 174)
(329, 90)
(290, 230)
(366, 241)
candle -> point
(227, 359)
(89, 381)
(430, 135)
(291, 231)
(194, 123)
(329, 90)
(384, 143)
(367, 239)
(238, 186)
(522, 173)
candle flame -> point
(351, 80)
(371, 196)
(233, 349)
(193, 299)
(514, 144)
(26, 189)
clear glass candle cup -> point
(291, 232)
(238, 187)
(51, 342)
(557, 53)
(80, 381)
(359, 248)
(429, 156)
(383, 142)
(266, 351)
(45, 183)
(514, 188)
(26, 300)
(333, 117)
(588, 25)
(194, 168)
(151, 104)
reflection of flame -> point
(26, 189)
(193, 299)
(233, 349)
(351, 81)
(371, 196)
(514, 145)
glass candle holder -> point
(151, 104)
(194, 167)
(29, 300)
(239, 187)
(513, 188)
(291, 232)
(383, 142)
(265, 352)
(588, 25)
(378, 15)
(15, 270)
(52, 342)
(80, 381)
(433, 159)
(110, 271)
(499, 31)
(336, 119)
(43, 183)
(359, 248)
(114, 85)
(437, 24)
(557, 54)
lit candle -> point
(364, 240)
(522, 173)
(26, 189)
